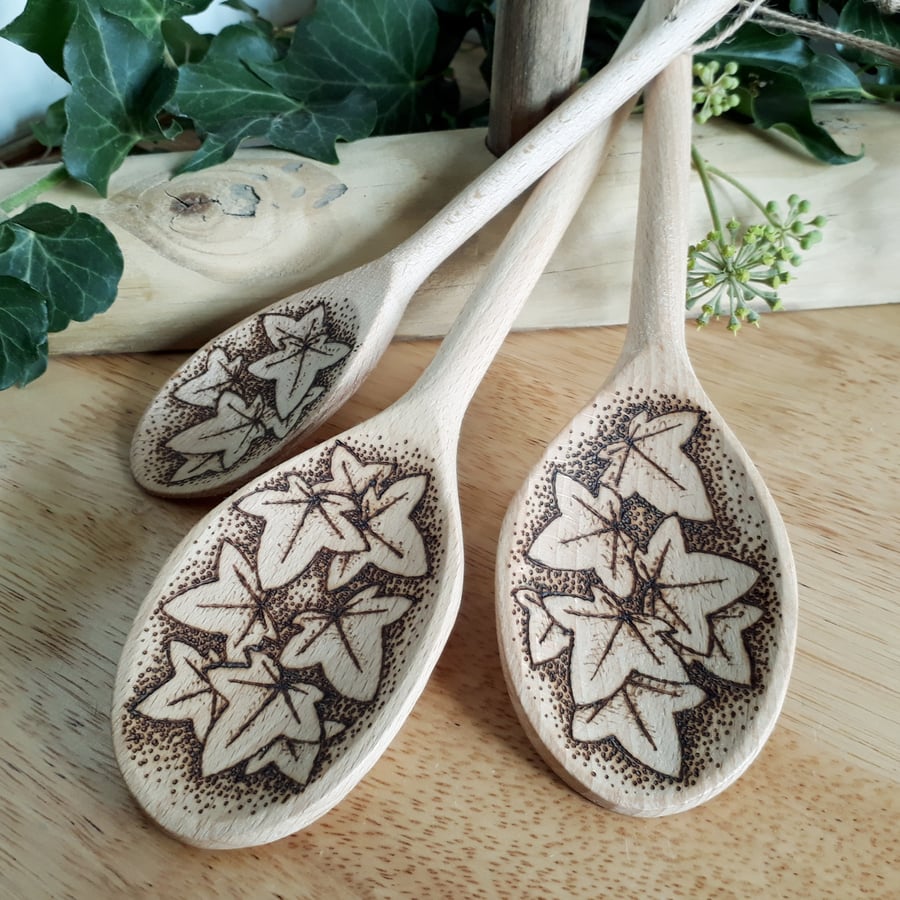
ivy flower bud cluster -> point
(737, 265)
(714, 93)
(730, 269)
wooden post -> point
(537, 60)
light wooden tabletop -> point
(461, 805)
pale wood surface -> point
(247, 398)
(386, 521)
(461, 805)
(195, 267)
(643, 551)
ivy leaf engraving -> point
(221, 374)
(232, 604)
(187, 695)
(198, 464)
(300, 521)
(650, 461)
(546, 637)
(728, 657)
(283, 427)
(684, 588)
(641, 716)
(262, 707)
(350, 475)
(294, 758)
(587, 534)
(393, 541)
(303, 349)
(610, 644)
(231, 432)
(347, 643)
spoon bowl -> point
(289, 635)
(646, 594)
(247, 398)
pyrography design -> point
(653, 606)
(250, 662)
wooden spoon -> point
(288, 636)
(243, 400)
(646, 593)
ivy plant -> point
(139, 71)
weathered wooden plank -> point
(206, 249)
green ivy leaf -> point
(779, 101)
(148, 15)
(384, 48)
(51, 130)
(229, 103)
(754, 46)
(69, 258)
(23, 333)
(184, 43)
(43, 28)
(858, 17)
(829, 78)
(119, 86)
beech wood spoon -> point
(288, 636)
(243, 400)
(646, 594)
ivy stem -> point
(712, 170)
(33, 190)
(703, 171)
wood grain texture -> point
(289, 634)
(461, 805)
(194, 266)
(537, 60)
(646, 590)
(250, 395)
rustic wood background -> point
(461, 805)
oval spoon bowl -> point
(284, 642)
(646, 594)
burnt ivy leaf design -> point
(683, 588)
(346, 642)
(188, 694)
(393, 541)
(641, 717)
(303, 349)
(300, 520)
(231, 432)
(294, 758)
(262, 706)
(198, 464)
(547, 639)
(587, 534)
(350, 475)
(609, 644)
(283, 427)
(728, 657)
(232, 604)
(650, 460)
(221, 374)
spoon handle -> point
(465, 354)
(656, 317)
(557, 134)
